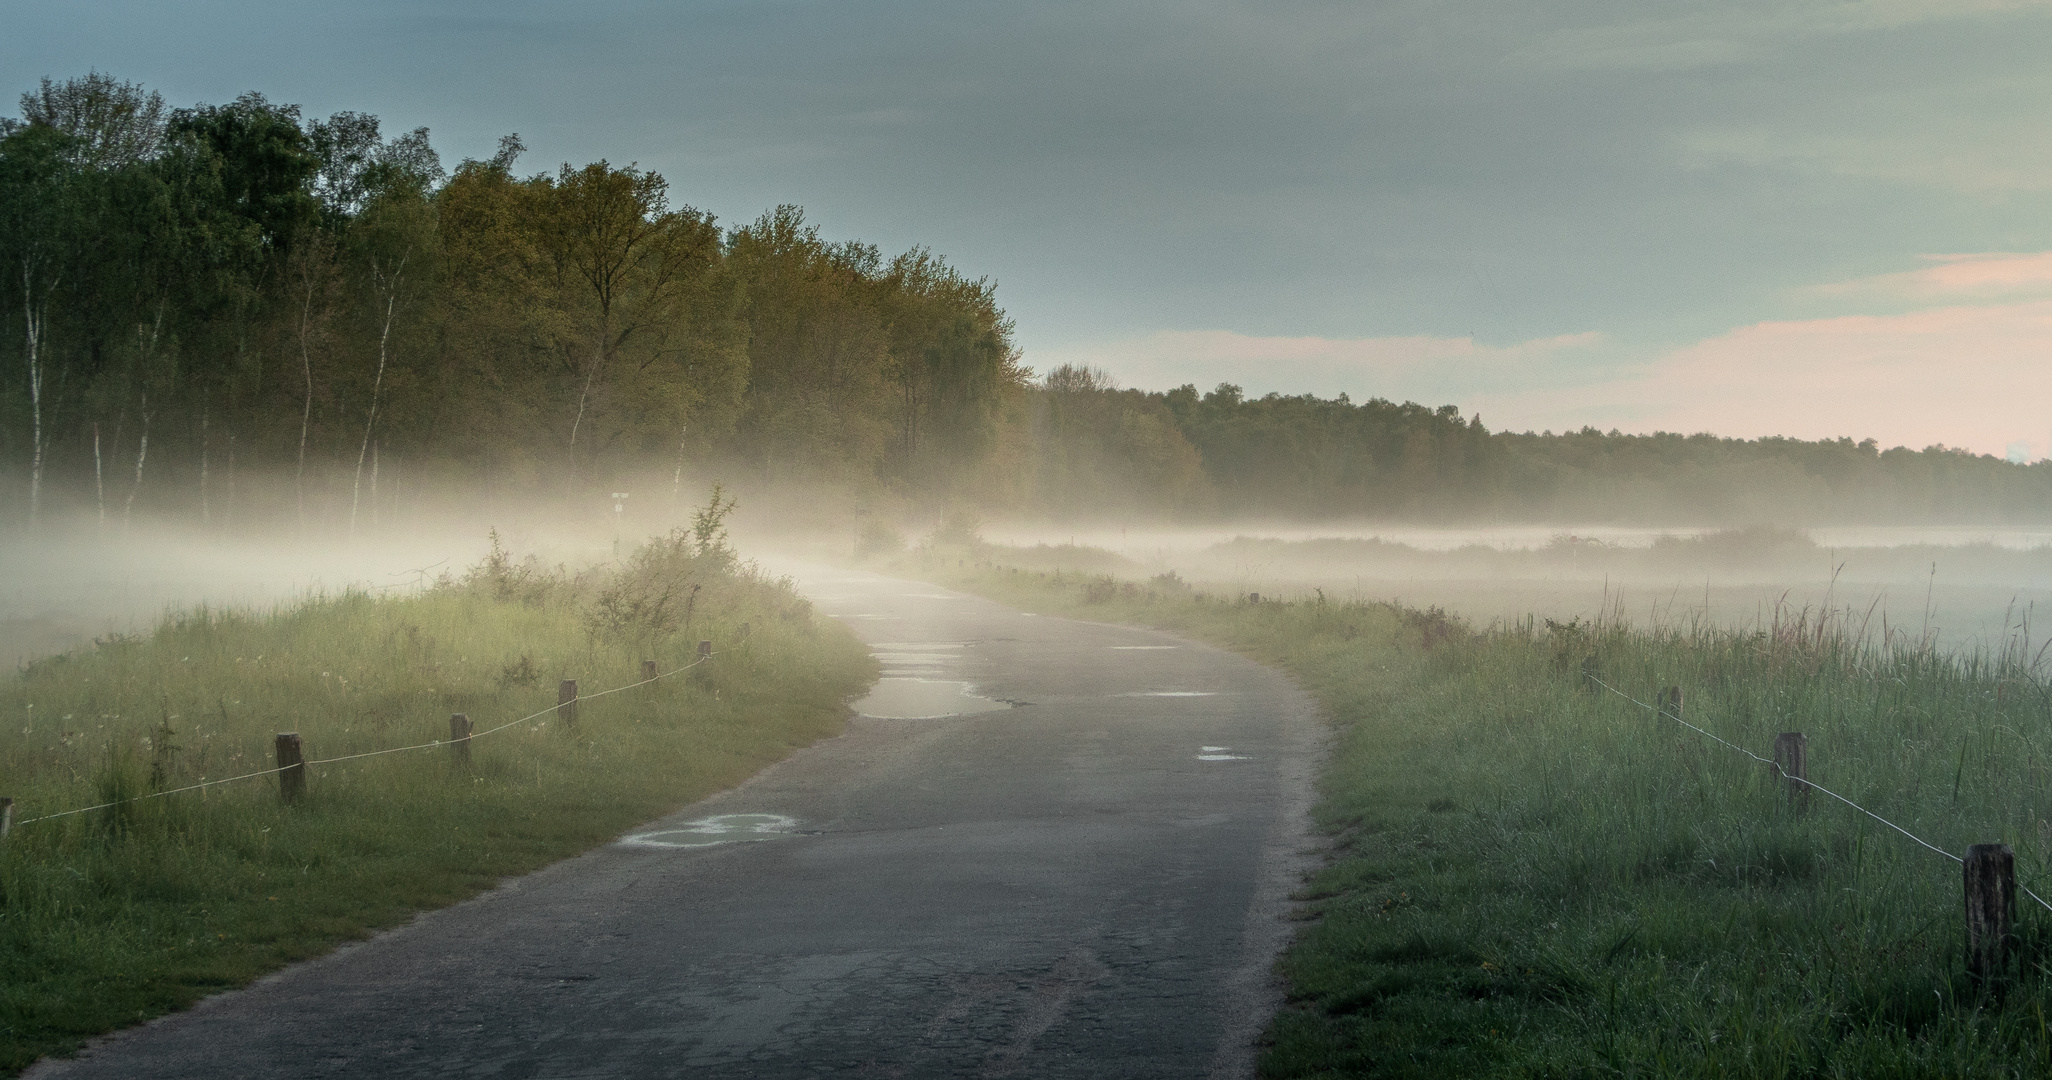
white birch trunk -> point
(370, 422)
(142, 454)
(32, 318)
(306, 411)
(99, 479)
(206, 510)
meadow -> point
(119, 914)
(1531, 875)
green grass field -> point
(1534, 879)
(114, 916)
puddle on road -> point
(719, 829)
(1220, 753)
(1171, 693)
(923, 699)
(915, 659)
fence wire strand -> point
(557, 707)
(1806, 782)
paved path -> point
(1088, 880)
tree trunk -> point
(582, 396)
(306, 411)
(33, 320)
(206, 511)
(99, 479)
(677, 481)
(356, 488)
(142, 454)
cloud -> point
(1967, 376)
(1915, 146)
(1981, 276)
(1416, 367)
(1735, 33)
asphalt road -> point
(1090, 878)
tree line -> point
(205, 295)
(231, 313)
(1303, 457)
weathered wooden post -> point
(1669, 702)
(1990, 871)
(291, 766)
(1589, 673)
(1792, 757)
(648, 670)
(705, 650)
(566, 702)
(459, 738)
(6, 815)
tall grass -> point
(1531, 878)
(119, 914)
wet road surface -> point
(1060, 849)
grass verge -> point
(112, 917)
(1534, 878)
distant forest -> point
(235, 313)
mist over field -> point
(1961, 586)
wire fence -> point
(1803, 780)
(310, 762)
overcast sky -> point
(1814, 219)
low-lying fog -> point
(69, 583)
(1967, 585)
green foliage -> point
(113, 916)
(1528, 879)
(237, 286)
(709, 528)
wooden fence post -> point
(459, 738)
(1589, 673)
(1792, 757)
(1669, 703)
(6, 815)
(704, 650)
(566, 702)
(648, 670)
(291, 766)
(1990, 871)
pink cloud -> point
(1985, 274)
(1975, 377)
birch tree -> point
(38, 227)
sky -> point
(1817, 219)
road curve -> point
(1088, 880)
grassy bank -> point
(1533, 878)
(111, 917)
